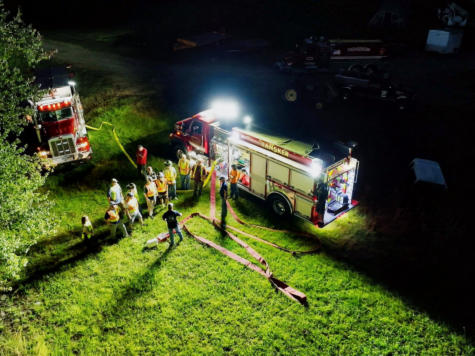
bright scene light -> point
(247, 119)
(235, 136)
(225, 108)
(316, 168)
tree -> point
(24, 208)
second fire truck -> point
(58, 129)
(293, 177)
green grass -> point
(114, 297)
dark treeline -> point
(281, 21)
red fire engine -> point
(61, 134)
(294, 177)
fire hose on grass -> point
(264, 269)
(116, 139)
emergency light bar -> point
(55, 106)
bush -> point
(24, 210)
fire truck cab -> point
(59, 120)
(295, 178)
(194, 133)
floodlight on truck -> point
(316, 168)
(226, 109)
(247, 120)
(235, 136)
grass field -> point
(114, 297)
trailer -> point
(293, 177)
(323, 55)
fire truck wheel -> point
(356, 69)
(290, 95)
(279, 205)
(345, 94)
(401, 104)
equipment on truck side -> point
(295, 178)
(61, 134)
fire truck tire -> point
(356, 69)
(371, 70)
(346, 94)
(290, 95)
(279, 205)
(401, 104)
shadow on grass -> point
(419, 251)
(140, 284)
(137, 286)
(74, 249)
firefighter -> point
(132, 188)
(233, 179)
(170, 175)
(87, 229)
(172, 223)
(244, 177)
(133, 211)
(141, 159)
(114, 194)
(162, 189)
(223, 192)
(198, 173)
(113, 220)
(150, 193)
(184, 169)
(150, 173)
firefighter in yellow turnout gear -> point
(113, 220)
(133, 211)
(198, 173)
(170, 175)
(162, 189)
(150, 193)
(87, 229)
(184, 168)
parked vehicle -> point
(371, 83)
(317, 90)
(295, 178)
(61, 134)
(314, 55)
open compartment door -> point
(258, 174)
(340, 181)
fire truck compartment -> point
(265, 172)
(340, 184)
